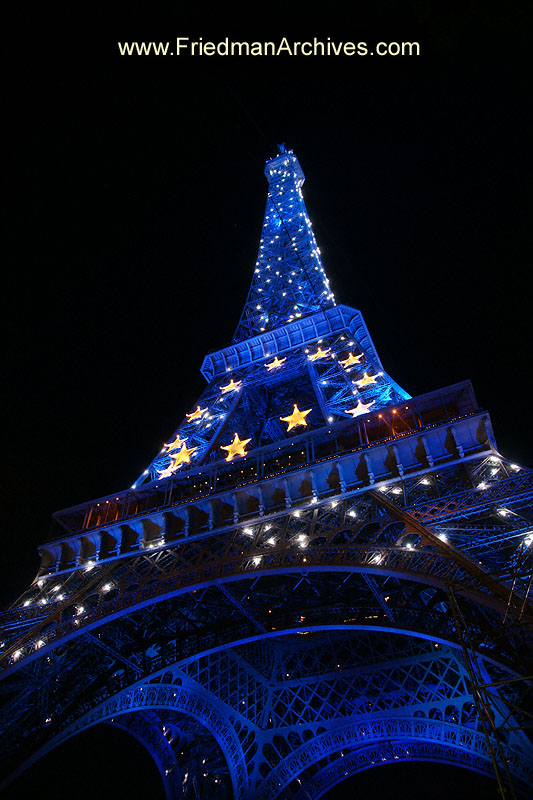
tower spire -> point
(289, 279)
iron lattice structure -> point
(318, 573)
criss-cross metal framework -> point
(317, 575)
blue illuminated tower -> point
(316, 575)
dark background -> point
(135, 206)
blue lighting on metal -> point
(290, 314)
(317, 575)
(289, 278)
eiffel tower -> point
(317, 574)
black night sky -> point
(135, 204)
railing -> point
(307, 450)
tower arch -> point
(314, 558)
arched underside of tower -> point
(292, 711)
(316, 574)
(191, 762)
(278, 650)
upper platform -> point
(289, 279)
(295, 350)
(298, 333)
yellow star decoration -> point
(278, 362)
(366, 379)
(198, 414)
(236, 448)
(319, 354)
(178, 442)
(360, 408)
(296, 418)
(230, 387)
(183, 457)
(350, 360)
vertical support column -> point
(75, 546)
(371, 477)
(397, 459)
(186, 520)
(459, 447)
(138, 530)
(314, 485)
(117, 534)
(288, 498)
(96, 539)
(261, 499)
(342, 479)
(427, 451)
(235, 508)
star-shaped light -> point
(296, 418)
(319, 354)
(350, 360)
(360, 408)
(366, 379)
(278, 362)
(183, 457)
(198, 414)
(232, 385)
(178, 442)
(236, 448)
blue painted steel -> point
(290, 315)
(268, 625)
(289, 277)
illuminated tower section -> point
(290, 315)
(318, 574)
(289, 277)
